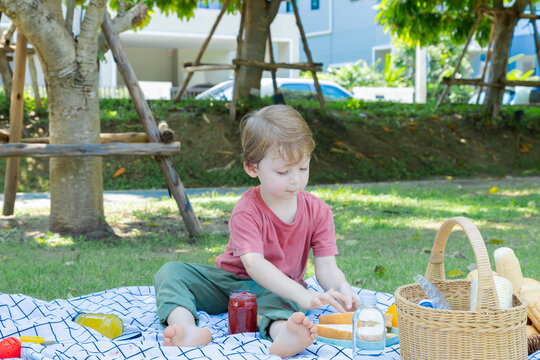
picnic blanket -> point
(23, 315)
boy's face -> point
(279, 179)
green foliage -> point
(442, 59)
(361, 74)
(425, 22)
(185, 9)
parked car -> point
(289, 87)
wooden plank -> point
(112, 149)
(106, 138)
(167, 134)
(271, 66)
(12, 48)
(35, 86)
(16, 112)
(174, 184)
(480, 82)
(308, 55)
(207, 67)
(202, 50)
(239, 44)
(458, 64)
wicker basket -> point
(486, 333)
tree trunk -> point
(76, 183)
(503, 27)
(6, 73)
(502, 38)
(258, 16)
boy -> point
(273, 227)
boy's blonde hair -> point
(277, 127)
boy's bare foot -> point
(297, 334)
(178, 335)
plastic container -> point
(108, 325)
(437, 299)
(242, 311)
(369, 330)
(10, 348)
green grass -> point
(384, 234)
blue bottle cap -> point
(426, 303)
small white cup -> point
(504, 292)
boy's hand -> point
(317, 299)
(351, 300)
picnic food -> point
(531, 331)
(507, 265)
(108, 325)
(339, 325)
(340, 331)
(242, 311)
(529, 289)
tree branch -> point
(69, 16)
(88, 37)
(122, 23)
(8, 33)
(39, 22)
(273, 8)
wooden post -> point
(32, 66)
(456, 69)
(176, 188)
(271, 55)
(488, 55)
(201, 51)
(308, 55)
(16, 112)
(239, 42)
(536, 40)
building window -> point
(288, 8)
(315, 4)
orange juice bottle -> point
(108, 325)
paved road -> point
(42, 199)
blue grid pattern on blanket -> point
(23, 315)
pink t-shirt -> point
(255, 228)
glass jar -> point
(242, 311)
(369, 330)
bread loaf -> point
(531, 331)
(344, 332)
(531, 294)
(346, 318)
(507, 265)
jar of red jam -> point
(242, 311)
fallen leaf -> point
(455, 274)
(449, 177)
(119, 172)
(338, 143)
(386, 128)
(494, 189)
(359, 155)
(206, 223)
(494, 158)
(525, 147)
(205, 118)
(380, 270)
(337, 150)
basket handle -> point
(487, 293)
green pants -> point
(207, 288)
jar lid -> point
(243, 294)
(368, 299)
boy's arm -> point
(274, 280)
(331, 277)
